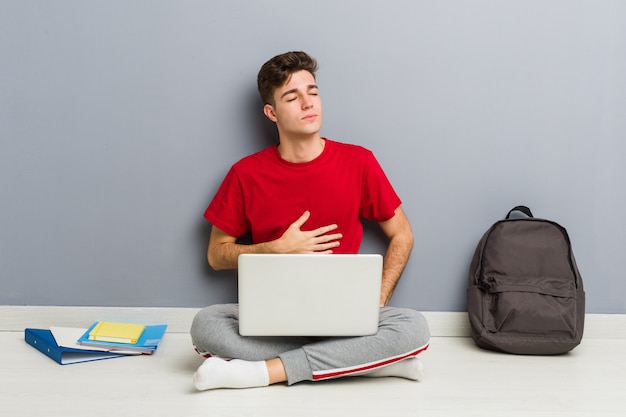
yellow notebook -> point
(108, 331)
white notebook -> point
(309, 295)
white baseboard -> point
(16, 318)
(442, 323)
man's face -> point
(298, 108)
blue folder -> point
(43, 341)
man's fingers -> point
(302, 219)
(329, 238)
(320, 231)
(324, 229)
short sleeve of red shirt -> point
(227, 209)
(379, 199)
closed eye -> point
(292, 95)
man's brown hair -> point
(275, 72)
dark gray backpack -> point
(525, 293)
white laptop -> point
(309, 295)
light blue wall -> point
(119, 119)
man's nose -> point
(307, 103)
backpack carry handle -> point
(523, 209)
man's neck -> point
(302, 149)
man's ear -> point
(270, 113)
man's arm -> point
(398, 230)
(224, 251)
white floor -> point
(460, 380)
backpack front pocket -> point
(530, 306)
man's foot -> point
(411, 368)
(219, 373)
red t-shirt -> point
(263, 194)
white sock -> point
(410, 368)
(218, 373)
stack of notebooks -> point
(103, 340)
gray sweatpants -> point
(402, 333)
